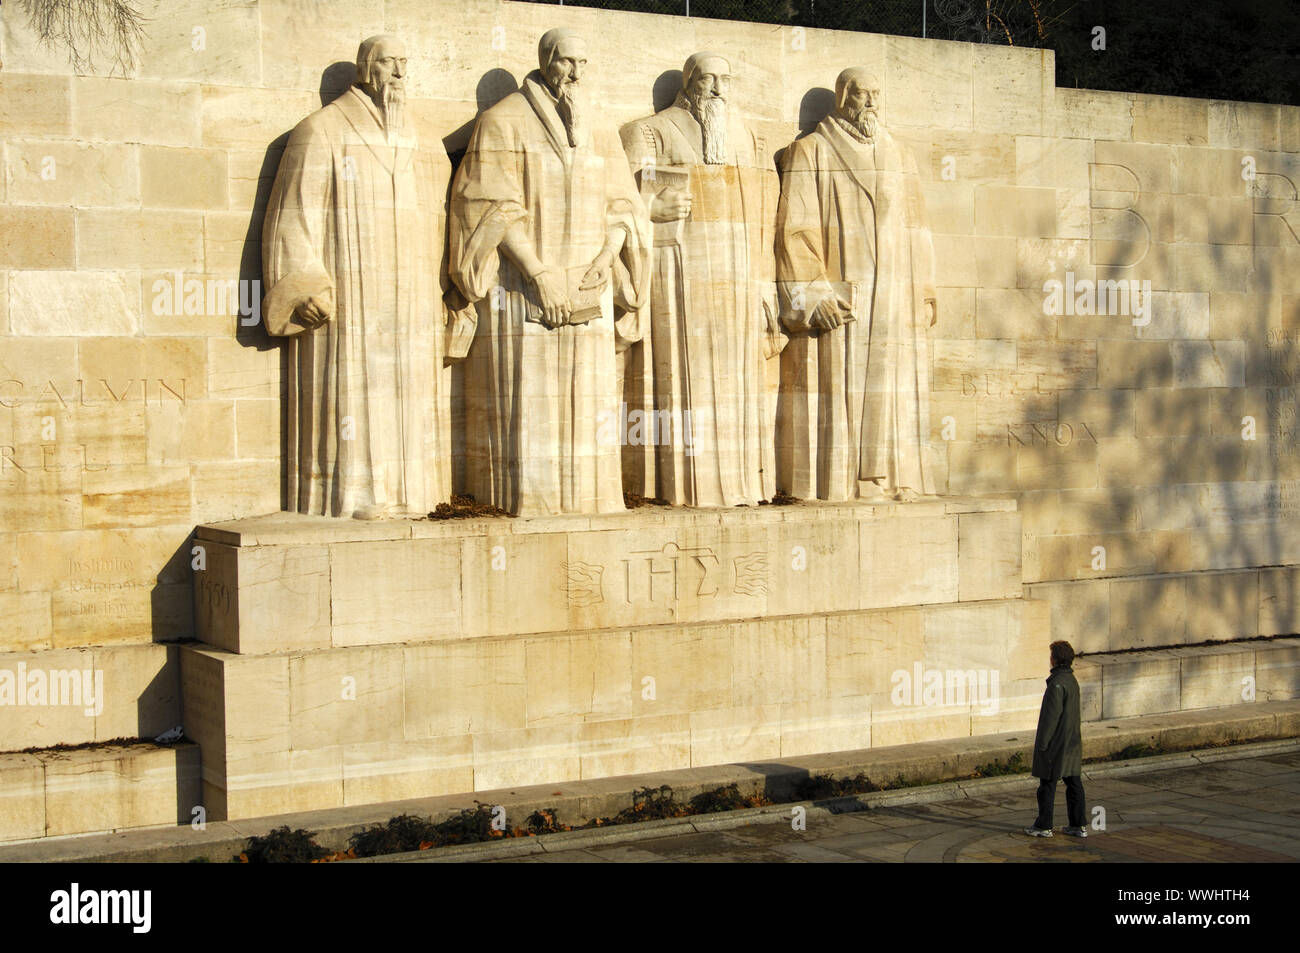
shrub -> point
(283, 846)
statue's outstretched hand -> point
(597, 276)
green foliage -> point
(649, 804)
(405, 832)
(902, 782)
(634, 500)
(464, 506)
(471, 825)
(544, 821)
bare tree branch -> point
(89, 30)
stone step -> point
(54, 792)
(1125, 684)
(1124, 612)
(96, 694)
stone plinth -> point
(289, 582)
(350, 663)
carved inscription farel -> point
(47, 458)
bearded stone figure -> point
(550, 239)
(697, 376)
(855, 265)
(352, 248)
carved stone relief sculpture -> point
(697, 375)
(550, 240)
(855, 268)
(353, 252)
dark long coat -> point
(1058, 744)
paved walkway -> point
(1235, 810)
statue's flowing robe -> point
(368, 416)
(854, 402)
(698, 376)
(543, 404)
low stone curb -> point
(701, 823)
(927, 764)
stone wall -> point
(129, 413)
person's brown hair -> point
(1062, 653)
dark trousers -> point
(1073, 802)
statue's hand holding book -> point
(670, 205)
(562, 296)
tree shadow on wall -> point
(1156, 463)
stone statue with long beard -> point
(696, 379)
(855, 263)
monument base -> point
(353, 663)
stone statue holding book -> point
(855, 262)
(549, 238)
